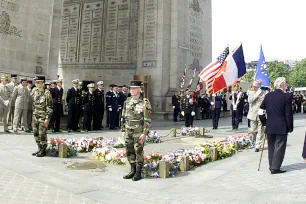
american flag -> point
(210, 71)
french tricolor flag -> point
(232, 69)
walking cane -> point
(263, 146)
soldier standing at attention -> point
(108, 95)
(99, 107)
(73, 100)
(89, 103)
(42, 111)
(188, 109)
(112, 105)
(136, 122)
(57, 96)
(176, 99)
(20, 96)
(5, 97)
(12, 85)
(30, 105)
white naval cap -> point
(59, 80)
(100, 82)
(76, 81)
(92, 85)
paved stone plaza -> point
(27, 179)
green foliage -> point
(250, 76)
(277, 69)
(298, 75)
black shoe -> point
(42, 152)
(28, 131)
(15, 131)
(69, 130)
(77, 130)
(278, 171)
(256, 150)
(39, 149)
(137, 175)
(132, 173)
(7, 131)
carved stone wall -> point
(112, 40)
(25, 31)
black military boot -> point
(42, 152)
(39, 149)
(137, 176)
(132, 173)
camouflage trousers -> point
(40, 131)
(134, 150)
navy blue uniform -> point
(279, 123)
(188, 106)
(176, 103)
(57, 96)
(99, 109)
(215, 111)
(121, 99)
(88, 103)
(112, 103)
(74, 101)
(236, 113)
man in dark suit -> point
(188, 109)
(236, 106)
(57, 96)
(216, 102)
(176, 105)
(74, 101)
(99, 107)
(277, 105)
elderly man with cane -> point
(277, 105)
(255, 99)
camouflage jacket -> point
(42, 104)
(135, 114)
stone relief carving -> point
(5, 25)
(196, 6)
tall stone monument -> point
(25, 37)
(114, 40)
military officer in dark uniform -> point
(57, 96)
(121, 100)
(73, 100)
(188, 109)
(216, 103)
(176, 99)
(99, 107)
(112, 106)
(89, 104)
(236, 98)
(109, 93)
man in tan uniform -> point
(5, 97)
(12, 85)
(20, 96)
(255, 99)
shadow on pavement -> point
(295, 167)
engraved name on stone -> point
(90, 48)
(117, 31)
(196, 34)
(150, 30)
(9, 5)
(70, 32)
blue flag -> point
(262, 71)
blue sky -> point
(278, 24)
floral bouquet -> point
(119, 143)
(109, 155)
(190, 131)
(151, 165)
(53, 148)
(153, 137)
(244, 142)
(85, 144)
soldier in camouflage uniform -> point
(42, 112)
(136, 123)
